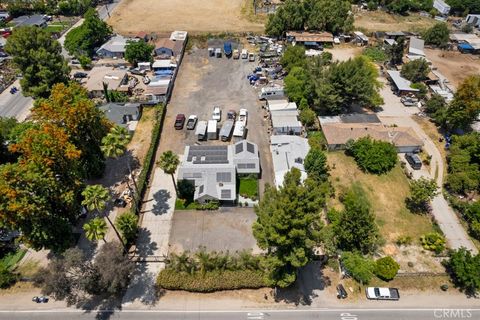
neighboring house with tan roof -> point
(116, 79)
(338, 133)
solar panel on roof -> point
(238, 148)
(250, 148)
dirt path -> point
(194, 16)
(454, 65)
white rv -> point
(201, 131)
(271, 92)
(212, 131)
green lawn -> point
(248, 187)
(10, 260)
(55, 28)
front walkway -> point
(152, 242)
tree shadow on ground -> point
(161, 205)
(142, 284)
(103, 307)
(309, 282)
(117, 170)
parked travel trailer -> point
(212, 131)
(201, 131)
(226, 130)
(271, 92)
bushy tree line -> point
(462, 111)
(437, 35)
(362, 269)
(464, 268)
(464, 6)
(82, 40)
(52, 7)
(73, 277)
(319, 15)
(330, 87)
(464, 163)
(51, 156)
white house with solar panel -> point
(214, 169)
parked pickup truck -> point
(375, 293)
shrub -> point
(212, 205)
(433, 241)
(7, 278)
(210, 281)
(358, 267)
(386, 268)
(404, 241)
(186, 190)
(374, 156)
(376, 54)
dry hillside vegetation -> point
(195, 16)
(371, 21)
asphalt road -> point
(324, 314)
(15, 105)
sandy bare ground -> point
(453, 64)
(371, 21)
(195, 16)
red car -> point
(179, 121)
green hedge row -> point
(150, 157)
(211, 281)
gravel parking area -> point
(204, 82)
(226, 229)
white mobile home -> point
(212, 131)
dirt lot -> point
(371, 21)
(344, 52)
(203, 83)
(228, 229)
(454, 65)
(194, 16)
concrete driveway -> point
(394, 112)
(203, 83)
(226, 229)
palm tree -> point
(168, 163)
(114, 145)
(95, 199)
(204, 260)
(115, 142)
(95, 229)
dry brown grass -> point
(371, 21)
(387, 195)
(141, 139)
(194, 16)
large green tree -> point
(356, 228)
(359, 268)
(316, 164)
(288, 226)
(438, 35)
(331, 16)
(35, 202)
(421, 192)
(465, 107)
(91, 34)
(464, 163)
(296, 85)
(374, 156)
(416, 70)
(70, 108)
(138, 51)
(38, 56)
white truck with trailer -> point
(240, 130)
